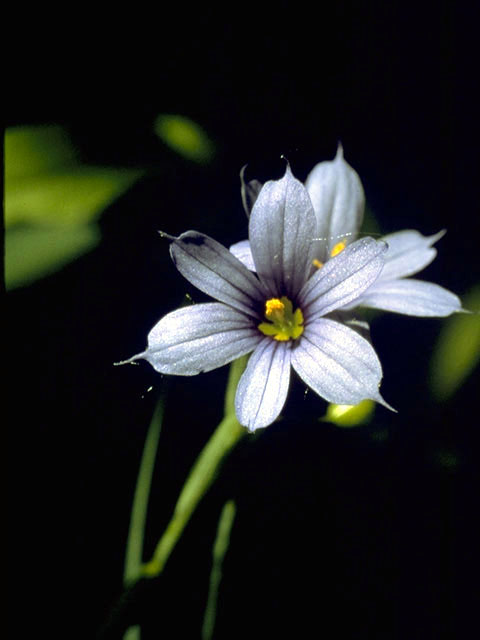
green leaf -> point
(457, 351)
(71, 196)
(34, 252)
(46, 184)
(50, 201)
(346, 415)
(185, 137)
(30, 150)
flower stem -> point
(134, 550)
(202, 474)
(219, 550)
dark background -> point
(364, 533)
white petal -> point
(408, 252)
(410, 297)
(338, 201)
(337, 363)
(199, 338)
(281, 229)
(241, 250)
(214, 270)
(263, 387)
(343, 278)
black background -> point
(364, 533)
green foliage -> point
(33, 252)
(52, 202)
(70, 196)
(185, 137)
(33, 150)
(457, 351)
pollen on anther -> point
(274, 304)
(338, 248)
(317, 263)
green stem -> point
(219, 550)
(136, 532)
(202, 475)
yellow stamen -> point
(338, 248)
(273, 305)
(284, 324)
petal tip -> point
(378, 398)
(468, 311)
(251, 424)
(288, 169)
(441, 233)
(131, 360)
(163, 234)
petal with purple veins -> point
(199, 338)
(343, 278)
(263, 387)
(281, 228)
(214, 270)
(337, 363)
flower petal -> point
(408, 252)
(214, 270)
(241, 250)
(263, 387)
(337, 363)
(338, 200)
(410, 297)
(350, 319)
(343, 278)
(199, 338)
(281, 229)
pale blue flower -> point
(279, 313)
(338, 201)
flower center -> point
(338, 248)
(283, 323)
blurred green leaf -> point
(72, 196)
(185, 137)
(50, 200)
(457, 351)
(30, 150)
(346, 415)
(34, 252)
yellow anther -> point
(338, 248)
(284, 324)
(273, 305)
(317, 263)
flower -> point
(338, 201)
(279, 313)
